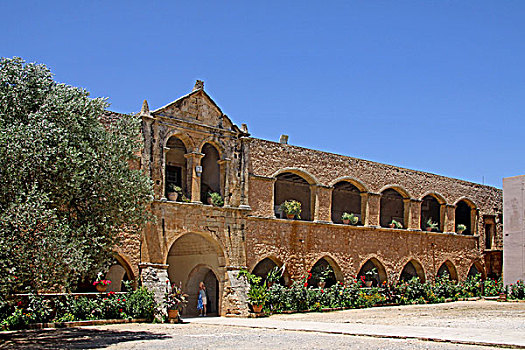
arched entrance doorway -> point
(192, 259)
(206, 275)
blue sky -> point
(437, 86)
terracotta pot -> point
(346, 222)
(429, 229)
(101, 287)
(392, 226)
(257, 308)
(290, 216)
(210, 202)
(173, 314)
(321, 284)
(172, 196)
(368, 284)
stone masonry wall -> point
(301, 244)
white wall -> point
(513, 229)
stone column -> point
(412, 214)
(234, 296)
(373, 207)
(163, 172)
(474, 221)
(194, 160)
(224, 168)
(155, 278)
(323, 205)
(449, 213)
(364, 208)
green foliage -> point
(517, 290)
(216, 199)
(299, 296)
(461, 228)
(67, 190)
(257, 294)
(396, 224)
(432, 224)
(174, 188)
(351, 217)
(137, 304)
(291, 207)
(275, 274)
(492, 287)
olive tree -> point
(69, 184)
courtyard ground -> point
(486, 324)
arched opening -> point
(346, 198)
(176, 171)
(448, 269)
(264, 266)
(392, 207)
(118, 273)
(325, 268)
(412, 269)
(289, 186)
(474, 270)
(430, 210)
(193, 259)
(211, 175)
(206, 275)
(379, 275)
(464, 213)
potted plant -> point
(176, 300)
(395, 224)
(291, 208)
(370, 276)
(461, 228)
(349, 218)
(431, 225)
(321, 274)
(101, 284)
(257, 294)
(215, 199)
(173, 192)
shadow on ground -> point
(72, 338)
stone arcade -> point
(192, 144)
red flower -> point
(306, 284)
(19, 303)
(119, 310)
(322, 291)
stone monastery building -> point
(192, 144)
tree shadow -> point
(72, 338)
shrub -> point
(517, 290)
(492, 287)
(141, 304)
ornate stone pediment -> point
(197, 107)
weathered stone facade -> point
(190, 143)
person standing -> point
(202, 299)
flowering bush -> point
(517, 290)
(492, 287)
(102, 282)
(137, 304)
